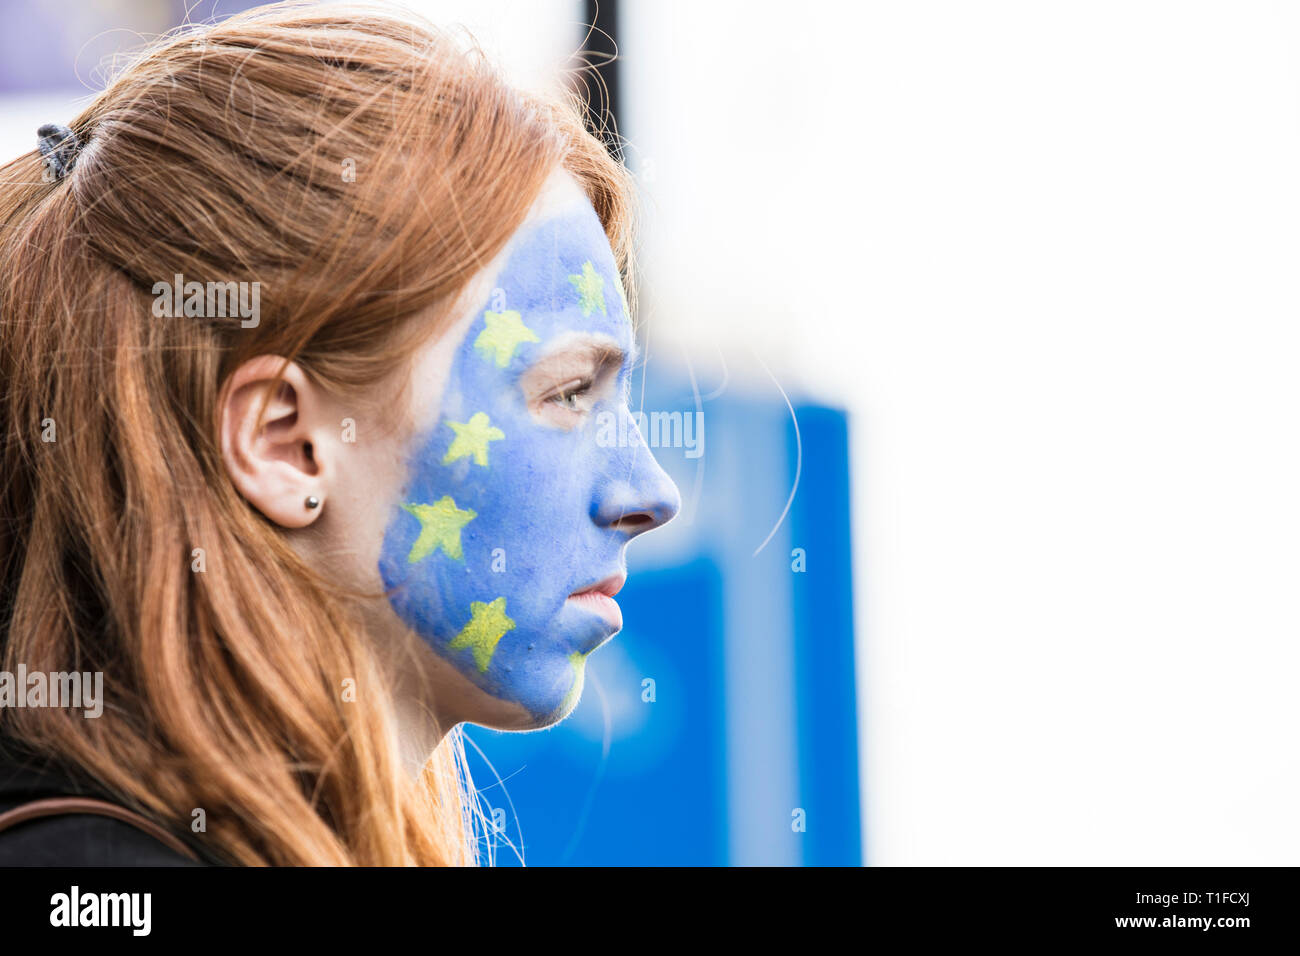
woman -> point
(309, 323)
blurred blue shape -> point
(69, 46)
(825, 675)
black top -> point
(69, 839)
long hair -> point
(362, 167)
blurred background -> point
(972, 330)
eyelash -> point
(570, 391)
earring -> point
(312, 502)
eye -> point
(568, 405)
(563, 389)
(574, 396)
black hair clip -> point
(59, 146)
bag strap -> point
(55, 806)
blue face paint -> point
(517, 499)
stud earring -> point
(312, 502)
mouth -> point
(599, 598)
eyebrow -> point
(577, 359)
(600, 353)
(603, 353)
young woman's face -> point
(507, 539)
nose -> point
(639, 499)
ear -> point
(272, 444)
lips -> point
(599, 598)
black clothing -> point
(69, 839)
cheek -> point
(493, 533)
(534, 508)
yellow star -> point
(488, 624)
(472, 438)
(440, 526)
(591, 289)
(502, 333)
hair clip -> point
(59, 147)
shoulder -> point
(70, 837)
(83, 839)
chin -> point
(568, 704)
(546, 693)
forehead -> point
(540, 275)
(563, 266)
(558, 270)
(560, 194)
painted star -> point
(472, 438)
(440, 526)
(488, 624)
(591, 290)
(502, 334)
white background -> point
(1047, 255)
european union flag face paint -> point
(516, 500)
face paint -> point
(513, 503)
